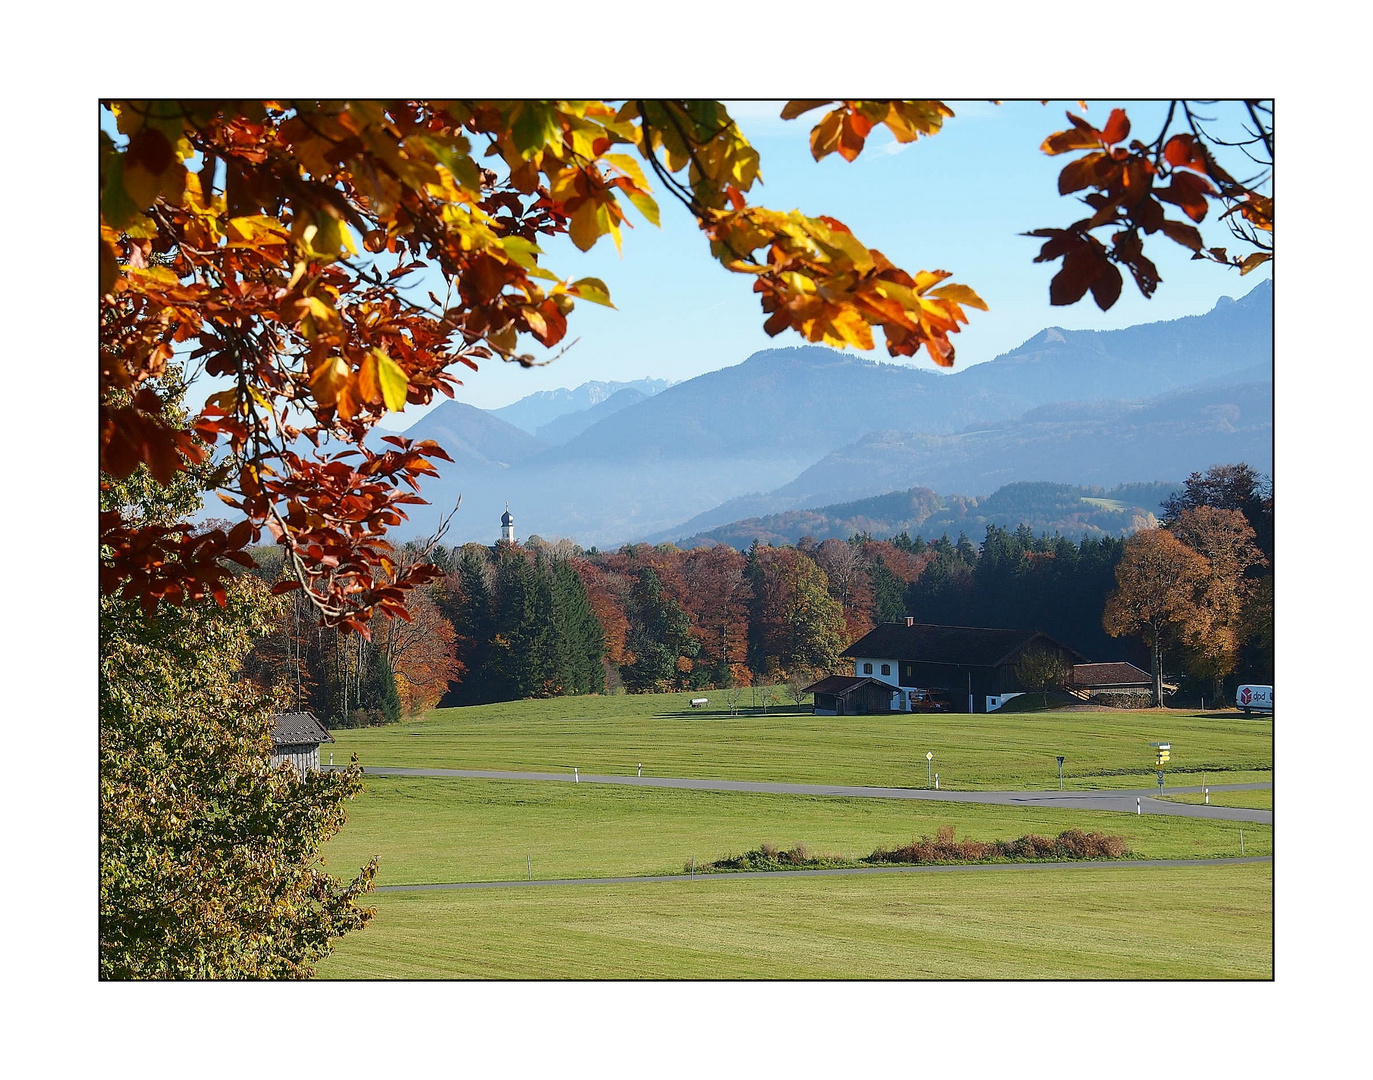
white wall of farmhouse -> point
(872, 666)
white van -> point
(1250, 698)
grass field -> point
(1117, 922)
(972, 752)
(431, 830)
(1249, 800)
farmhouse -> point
(973, 665)
(296, 738)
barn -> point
(974, 665)
(1119, 684)
(843, 695)
(296, 738)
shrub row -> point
(944, 848)
(1069, 844)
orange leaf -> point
(1117, 127)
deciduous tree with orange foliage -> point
(1157, 580)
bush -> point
(1070, 844)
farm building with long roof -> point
(973, 665)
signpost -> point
(929, 764)
(1060, 772)
(1161, 756)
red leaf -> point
(1117, 127)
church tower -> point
(507, 526)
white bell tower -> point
(507, 526)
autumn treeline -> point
(539, 619)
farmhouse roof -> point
(1112, 674)
(839, 685)
(299, 729)
(932, 643)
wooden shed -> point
(845, 695)
(296, 738)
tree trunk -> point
(1157, 664)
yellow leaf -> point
(593, 289)
(792, 109)
(1254, 261)
(960, 294)
(585, 227)
(395, 384)
(629, 167)
(328, 379)
(852, 329)
(646, 206)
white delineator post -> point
(575, 778)
(1137, 809)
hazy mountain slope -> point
(1104, 443)
(535, 410)
(1071, 511)
(474, 436)
(570, 425)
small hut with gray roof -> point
(296, 738)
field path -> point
(1084, 864)
(1124, 801)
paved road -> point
(975, 867)
(1123, 801)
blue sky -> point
(957, 201)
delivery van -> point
(1254, 699)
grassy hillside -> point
(1040, 923)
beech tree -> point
(1225, 540)
(1157, 580)
(277, 244)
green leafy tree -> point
(209, 861)
(379, 687)
(659, 637)
(1043, 670)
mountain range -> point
(798, 428)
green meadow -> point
(1117, 922)
(1050, 922)
(428, 830)
(614, 734)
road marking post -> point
(641, 770)
(1137, 809)
(1208, 796)
(1241, 841)
(693, 867)
(575, 778)
(936, 781)
(529, 866)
